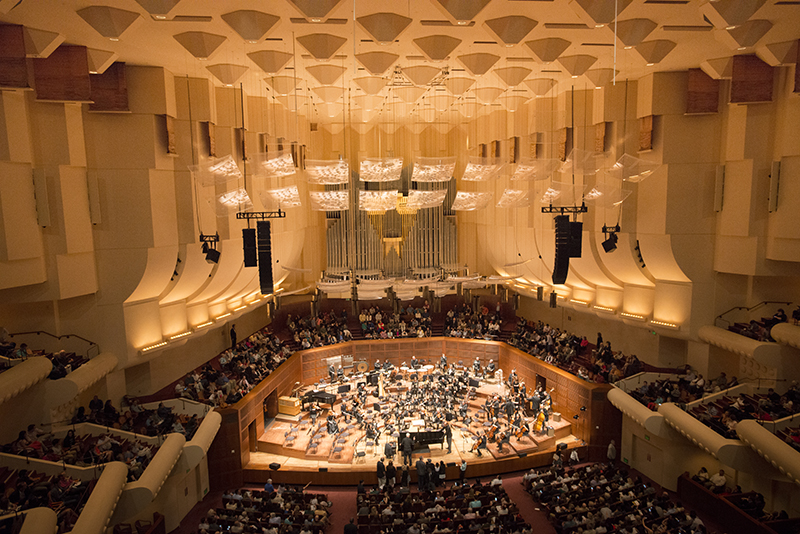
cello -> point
(538, 425)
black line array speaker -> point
(553, 300)
(540, 293)
(575, 239)
(563, 238)
(264, 256)
(249, 244)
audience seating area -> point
(459, 508)
(464, 322)
(228, 377)
(322, 329)
(276, 512)
(406, 322)
(598, 498)
(24, 490)
(722, 414)
(83, 449)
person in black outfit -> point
(391, 474)
(233, 336)
(381, 472)
(351, 528)
(407, 445)
(422, 475)
(448, 435)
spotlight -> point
(575, 417)
(610, 244)
(212, 256)
(209, 247)
(583, 408)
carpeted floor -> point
(527, 508)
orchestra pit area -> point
(348, 420)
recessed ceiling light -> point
(252, 41)
(316, 20)
(574, 76)
(628, 47)
(462, 22)
(92, 72)
(742, 48)
(599, 25)
(650, 64)
(113, 39)
(160, 17)
(731, 27)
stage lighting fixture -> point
(212, 256)
(610, 244)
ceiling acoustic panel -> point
(578, 64)
(282, 85)
(458, 85)
(631, 32)
(421, 74)
(372, 85)
(512, 76)
(600, 12)
(100, 60)
(745, 36)
(461, 11)
(377, 62)
(540, 86)
(479, 63)
(777, 54)
(158, 8)
(718, 68)
(270, 61)
(315, 10)
(200, 44)
(511, 30)
(227, 73)
(726, 14)
(329, 94)
(321, 46)
(548, 50)
(601, 77)
(437, 47)
(326, 74)
(110, 22)
(384, 28)
(41, 43)
(654, 51)
(251, 25)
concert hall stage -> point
(291, 442)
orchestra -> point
(422, 402)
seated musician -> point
(502, 438)
(443, 361)
(480, 443)
(340, 372)
(377, 365)
(313, 411)
(387, 366)
(476, 367)
(333, 426)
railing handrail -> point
(91, 351)
(751, 308)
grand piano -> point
(425, 437)
(322, 397)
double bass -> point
(538, 424)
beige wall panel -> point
(645, 95)
(780, 249)
(49, 129)
(200, 91)
(673, 303)
(185, 207)
(588, 266)
(74, 206)
(623, 262)
(120, 141)
(662, 93)
(75, 136)
(735, 218)
(657, 253)
(143, 328)
(690, 199)
(119, 273)
(563, 105)
(20, 235)
(173, 318)
(16, 134)
(688, 139)
(787, 117)
(160, 266)
(76, 274)
(736, 254)
(197, 314)
(126, 210)
(194, 274)
(229, 107)
(151, 90)
(638, 300)
(162, 205)
(22, 273)
(651, 216)
(243, 280)
(760, 131)
(783, 241)
(609, 298)
(736, 122)
(230, 263)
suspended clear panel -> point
(495, 279)
(217, 171)
(236, 200)
(607, 194)
(469, 201)
(425, 199)
(374, 285)
(377, 201)
(563, 194)
(632, 169)
(535, 169)
(277, 163)
(329, 200)
(327, 172)
(514, 198)
(434, 169)
(481, 169)
(381, 169)
(286, 197)
(583, 162)
(474, 284)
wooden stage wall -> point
(244, 421)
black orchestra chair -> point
(360, 456)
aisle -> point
(527, 508)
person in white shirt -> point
(718, 482)
(497, 481)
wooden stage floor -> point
(346, 458)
